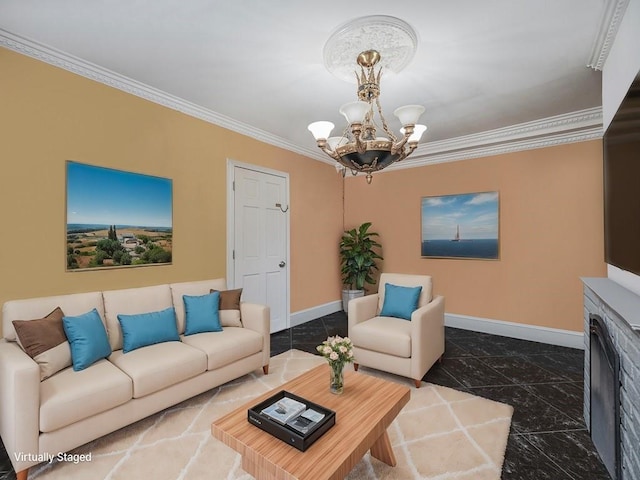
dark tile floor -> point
(543, 383)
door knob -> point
(282, 264)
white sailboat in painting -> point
(457, 237)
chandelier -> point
(367, 144)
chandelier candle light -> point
(360, 148)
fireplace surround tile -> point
(619, 309)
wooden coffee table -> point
(363, 413)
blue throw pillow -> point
(400, 301)
(201, 313)
(88, 339)
(148, 328)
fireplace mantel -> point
(623, 301)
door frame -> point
(231, 166)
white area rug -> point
(440, 434)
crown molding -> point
(581, 119)
(560, 138)
(613, 12)
(580, 126)
(567, 128)
(573, 127)
(105, 76)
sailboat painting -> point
(461, 226)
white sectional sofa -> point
(70, 408)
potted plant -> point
(357, 261)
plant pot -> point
(348, 295)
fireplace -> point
(612, 374)
(605, 396)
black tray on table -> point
(285, 432)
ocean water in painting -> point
(486, 248)
(465, 225)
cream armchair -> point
(395, 345)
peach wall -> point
(550, 200)
(551, 231)
(50, 115)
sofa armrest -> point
(427, 336)
(362, 308)
(19, 403)
(257, 317)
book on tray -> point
(306, 420)
(292, 419)
(293, 413)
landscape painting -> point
(116, 218)
(461, 226)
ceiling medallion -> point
(363, 147)
(394, 39)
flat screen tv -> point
(622, 184)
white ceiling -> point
(256, 66)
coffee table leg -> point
(382, 450)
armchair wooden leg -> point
(265, 369)
(22, 474)
(418, 383)
(355, 366)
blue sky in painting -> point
(97, 195)
(476, 213)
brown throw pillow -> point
(44, 340)
(230, 307)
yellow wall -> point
(49, 115)
(551, 231)
(550, 203)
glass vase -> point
(336, 384)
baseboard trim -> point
(304, 316)
(534, 333)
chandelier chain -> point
(385, 127)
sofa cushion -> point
(131, 301)
(70, 396)
(228, 346)
(383, 334)
(399, 301)
(27, 308)
(201, 313)
(88, 339)
(158, 366)
(230, 307)
(44, 340)
(201, 287)
(148, 329)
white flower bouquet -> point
(338, 351)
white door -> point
(260, 241)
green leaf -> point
(358, 257)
